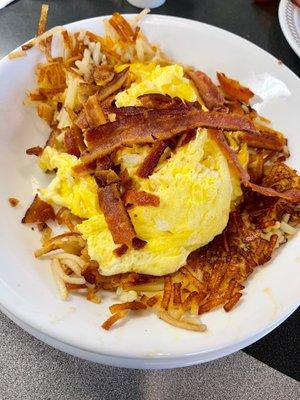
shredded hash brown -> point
(214, 275)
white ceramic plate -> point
(289, 18)
(27, 292)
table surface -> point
(268, 369)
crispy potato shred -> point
(75, 96)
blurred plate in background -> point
(289, 18)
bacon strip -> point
(138, 243)
(292, 195)
(234, 89)
(208, 91)
(230, 155)
(39, 211)
(139, 114)
(115, 214)
(152, 159)
(146, 128)
(264, 140)
(73, 141)
(84, 169)
(141, 198)
(105, 177)
(35, 151)
(158, 100)
(121, 250)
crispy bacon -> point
(230, 155)
(140, 198)
(105, 177)
(13, 201)
(125, 112)
(208, 91)
(34, 151)
(85, 169)
(292, 195)
(115, 214)
(152, 159)
(135, 114)
(39, 211)
(138, 243)
(234, 89)
(126, 180)
(121, 250)
(186, 137)
(104, 163)
(141, 129)
(73, 141)
(158, 100)
(264, 140)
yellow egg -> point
(78, 194)
(196, 187)
(195, 191)
(152, 78)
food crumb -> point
(13, 201)
(280, 62)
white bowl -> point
(27, 292)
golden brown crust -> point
(39, 211)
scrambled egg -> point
(78, 194)
(195, 191)
(152, 78)
(195, 185)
